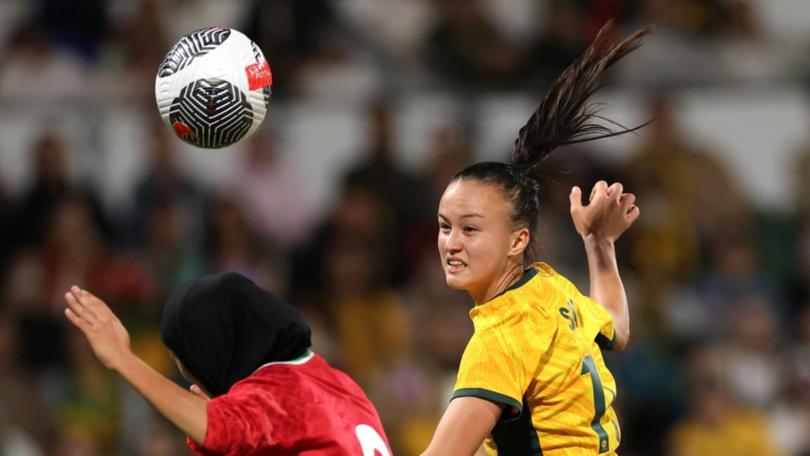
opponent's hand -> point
(607, 215)
(107, 336)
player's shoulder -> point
(553, 280)
(548, 275)
(526, 302)
(543, 287)
(281, 374)
(288, 385)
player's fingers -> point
(599, 186)
(77, 308)
(627, 200)
(599, 196)
(77, 321)
(575, 198)
(91, 302)
(81, 307)
(632, 214)
(615, 191)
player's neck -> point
(498, 286)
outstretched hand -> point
(607, 215)
(107, 336)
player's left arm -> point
(110, 342)
(464, 426)
(607, 215)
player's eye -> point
(470, 229)
(444, 226)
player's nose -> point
(453, 242)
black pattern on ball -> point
(216, 111)
(257, 53)
(195, 44)
(266, 92)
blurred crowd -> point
(108, 49)
(719, 361)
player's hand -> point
(607, 215)
(107, 336)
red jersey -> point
(303, 407)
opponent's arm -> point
(110, 342)
(464, 426)
(600, 223)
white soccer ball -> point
(213, 87)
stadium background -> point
(376, 103)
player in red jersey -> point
(257, 388)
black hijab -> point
(222, 327)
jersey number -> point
(589, 367)
(370, 441)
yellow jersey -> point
(536, 349)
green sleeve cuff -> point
(490, 396)
(604, 343)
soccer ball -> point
(213, 87)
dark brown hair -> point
(563, 117)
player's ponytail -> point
(564, 116)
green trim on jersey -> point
(604, 343)
(304, 358)
(490, 396)
(527, 275)
(516, 436)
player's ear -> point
(520, 241)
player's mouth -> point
(455, 266)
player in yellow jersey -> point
(532, 380)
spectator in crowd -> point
(559, 40)
(754, 367)
(291, 33)
(49, 186)
(34, 69)
(78, 25)
(268, 191)
(790, 420)
(358, 213)
(397, 189)
(233, 245)
(693, 202)
(88, 411)
(165, 180)
(370, 323)
(466, 48)
(167, 254)
(734, 274)
(716, 425)
(143, 42)
(22, 431)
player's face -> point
(184, 372)
(475, 234)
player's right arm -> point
(464, 426)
